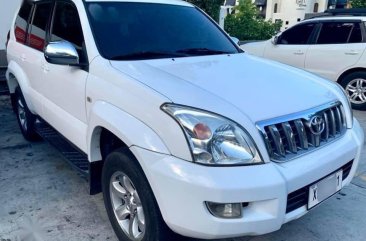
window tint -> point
(130, 30)
(339, 33)
(21, 22)
(299, 34)
(37, 36)
(66, 25)
(356, 35)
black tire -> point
(350, 80)
(122, 161)
(25, 118)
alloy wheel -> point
(356, 90)
(22, 115)
(127, 206)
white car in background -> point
(332, 47)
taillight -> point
(7, 39)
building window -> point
(316, 7)
(275, 9)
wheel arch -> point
(16, 77)
(102, 143)
(111, 128)
(350, 71)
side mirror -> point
(236, 40)
(61, 53)
(275, 40)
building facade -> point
(289, 12)
(7, 13)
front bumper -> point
(181, 188)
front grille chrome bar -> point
(288, 137)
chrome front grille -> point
(288, 137)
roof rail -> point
(347, 12)
(338, 12)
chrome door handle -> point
(352, 52)
(299, 52)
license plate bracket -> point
(325, 188)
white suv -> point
(332, 47)
(180, 130)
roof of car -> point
(172, 2)
(345, 17)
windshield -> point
(135, 31)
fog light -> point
(225, 210)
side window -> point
(21, 22)
(66, 26)
(299, 34)
(356, 34)
(37, 34)
(339, 33)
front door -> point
(64, 86)
(292, 45)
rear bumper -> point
(181, 188)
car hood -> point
(255, 48)
(258, 88)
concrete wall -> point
(8, 9)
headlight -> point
(214, 140)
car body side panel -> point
(21, 79)
(141, 108)
(255, 48)
(327, 60)
(128, 129)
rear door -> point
(292, 45)
(339, 45)
(32, 39)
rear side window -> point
(37, 34)
(356, 34)
(340, 33)
(21, 22)
(298, 35)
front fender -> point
(127, 128)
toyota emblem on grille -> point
(316, 125)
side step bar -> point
(73, 155)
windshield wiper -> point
(202, 51)
(147, 55)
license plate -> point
(325, 188)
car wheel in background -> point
(355, 86)
(26, 119)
